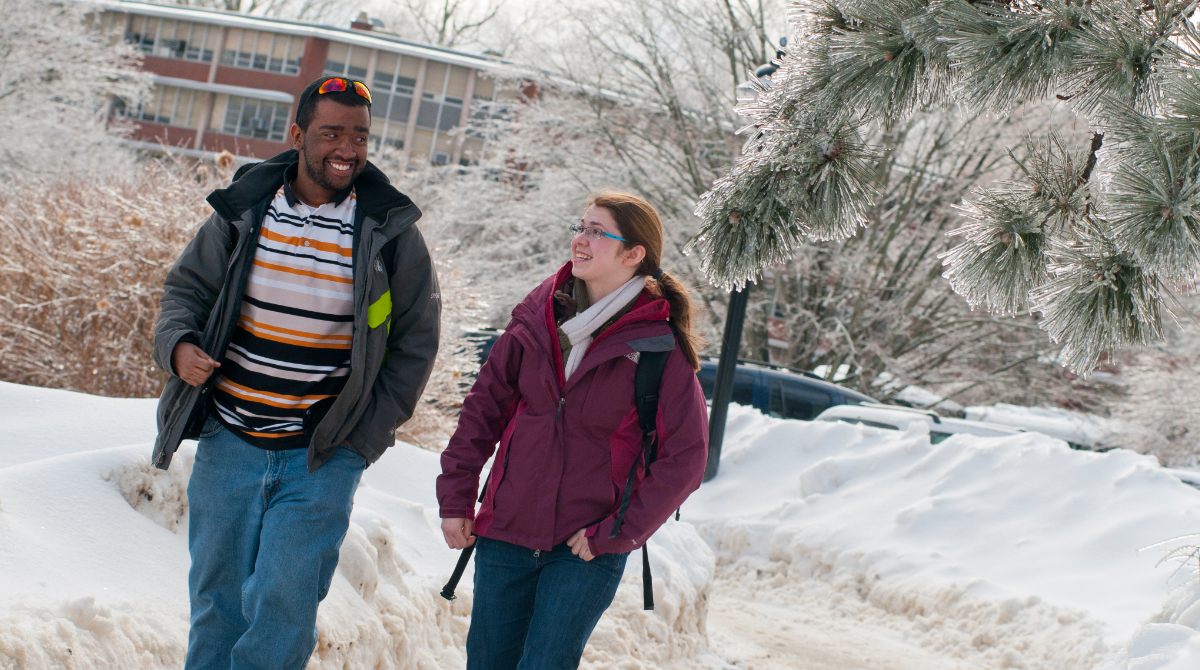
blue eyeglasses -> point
(592, 233)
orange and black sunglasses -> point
(337, 84)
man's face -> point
(334, 148)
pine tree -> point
(1092, 237)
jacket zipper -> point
(561, 401)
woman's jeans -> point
(264, 535)
(534, 610)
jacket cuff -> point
(186, 336)
(599, 542)
(447, 513)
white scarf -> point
(582, 326)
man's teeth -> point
(340, 167)
(582, 257)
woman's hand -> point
(578, 544)
(458, 533)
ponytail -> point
(676, 295)
(639, 225)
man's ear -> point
(297, 137)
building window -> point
(250, 117)
(168, 38)
(427, 113)
(343, 60)
(258, 50)
(167, 105)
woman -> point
(557, 394)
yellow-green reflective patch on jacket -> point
(380, 311)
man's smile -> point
(340, 167)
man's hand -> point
(579, 545)
(458, 533)
(192, 364)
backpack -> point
(646, 381)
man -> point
(300, 326)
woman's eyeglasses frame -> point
(592, 233)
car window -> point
(743, 385)
(743, 389)
(936, 437)
(790, 400)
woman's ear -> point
(634, 256)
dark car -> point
(780, 392)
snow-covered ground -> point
(1001, 552)
(818, 545)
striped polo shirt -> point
(291, 346)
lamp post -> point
(731, 341)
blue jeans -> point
(535, 610)
(264, 536)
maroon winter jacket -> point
(566, 447)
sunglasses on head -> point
(337, 84)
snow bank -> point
(37, 423)
(94, 557)
(682, 565)
(1013, 551)
(989, 552)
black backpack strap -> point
(646, 381)
(647, 582)
(465, 556)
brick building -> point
(225, 81)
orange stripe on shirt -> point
(288, 434)
(305, 273)
(253, 395)
(247, 321)
(312, 244)
(299, 343)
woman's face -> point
(603, 258)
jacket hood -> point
(255, 182)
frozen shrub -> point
(83, 271)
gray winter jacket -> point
(396, 311)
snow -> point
(818, 545)
(822, 371)
(32, 428)
(919, 397)
(1007, 550)
(94, 556)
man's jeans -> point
(264, 537)
(534, 610)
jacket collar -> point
(648, 318)
(540, 303)
(255, 182)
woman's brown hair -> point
(639, 224)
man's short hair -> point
(307, 109)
